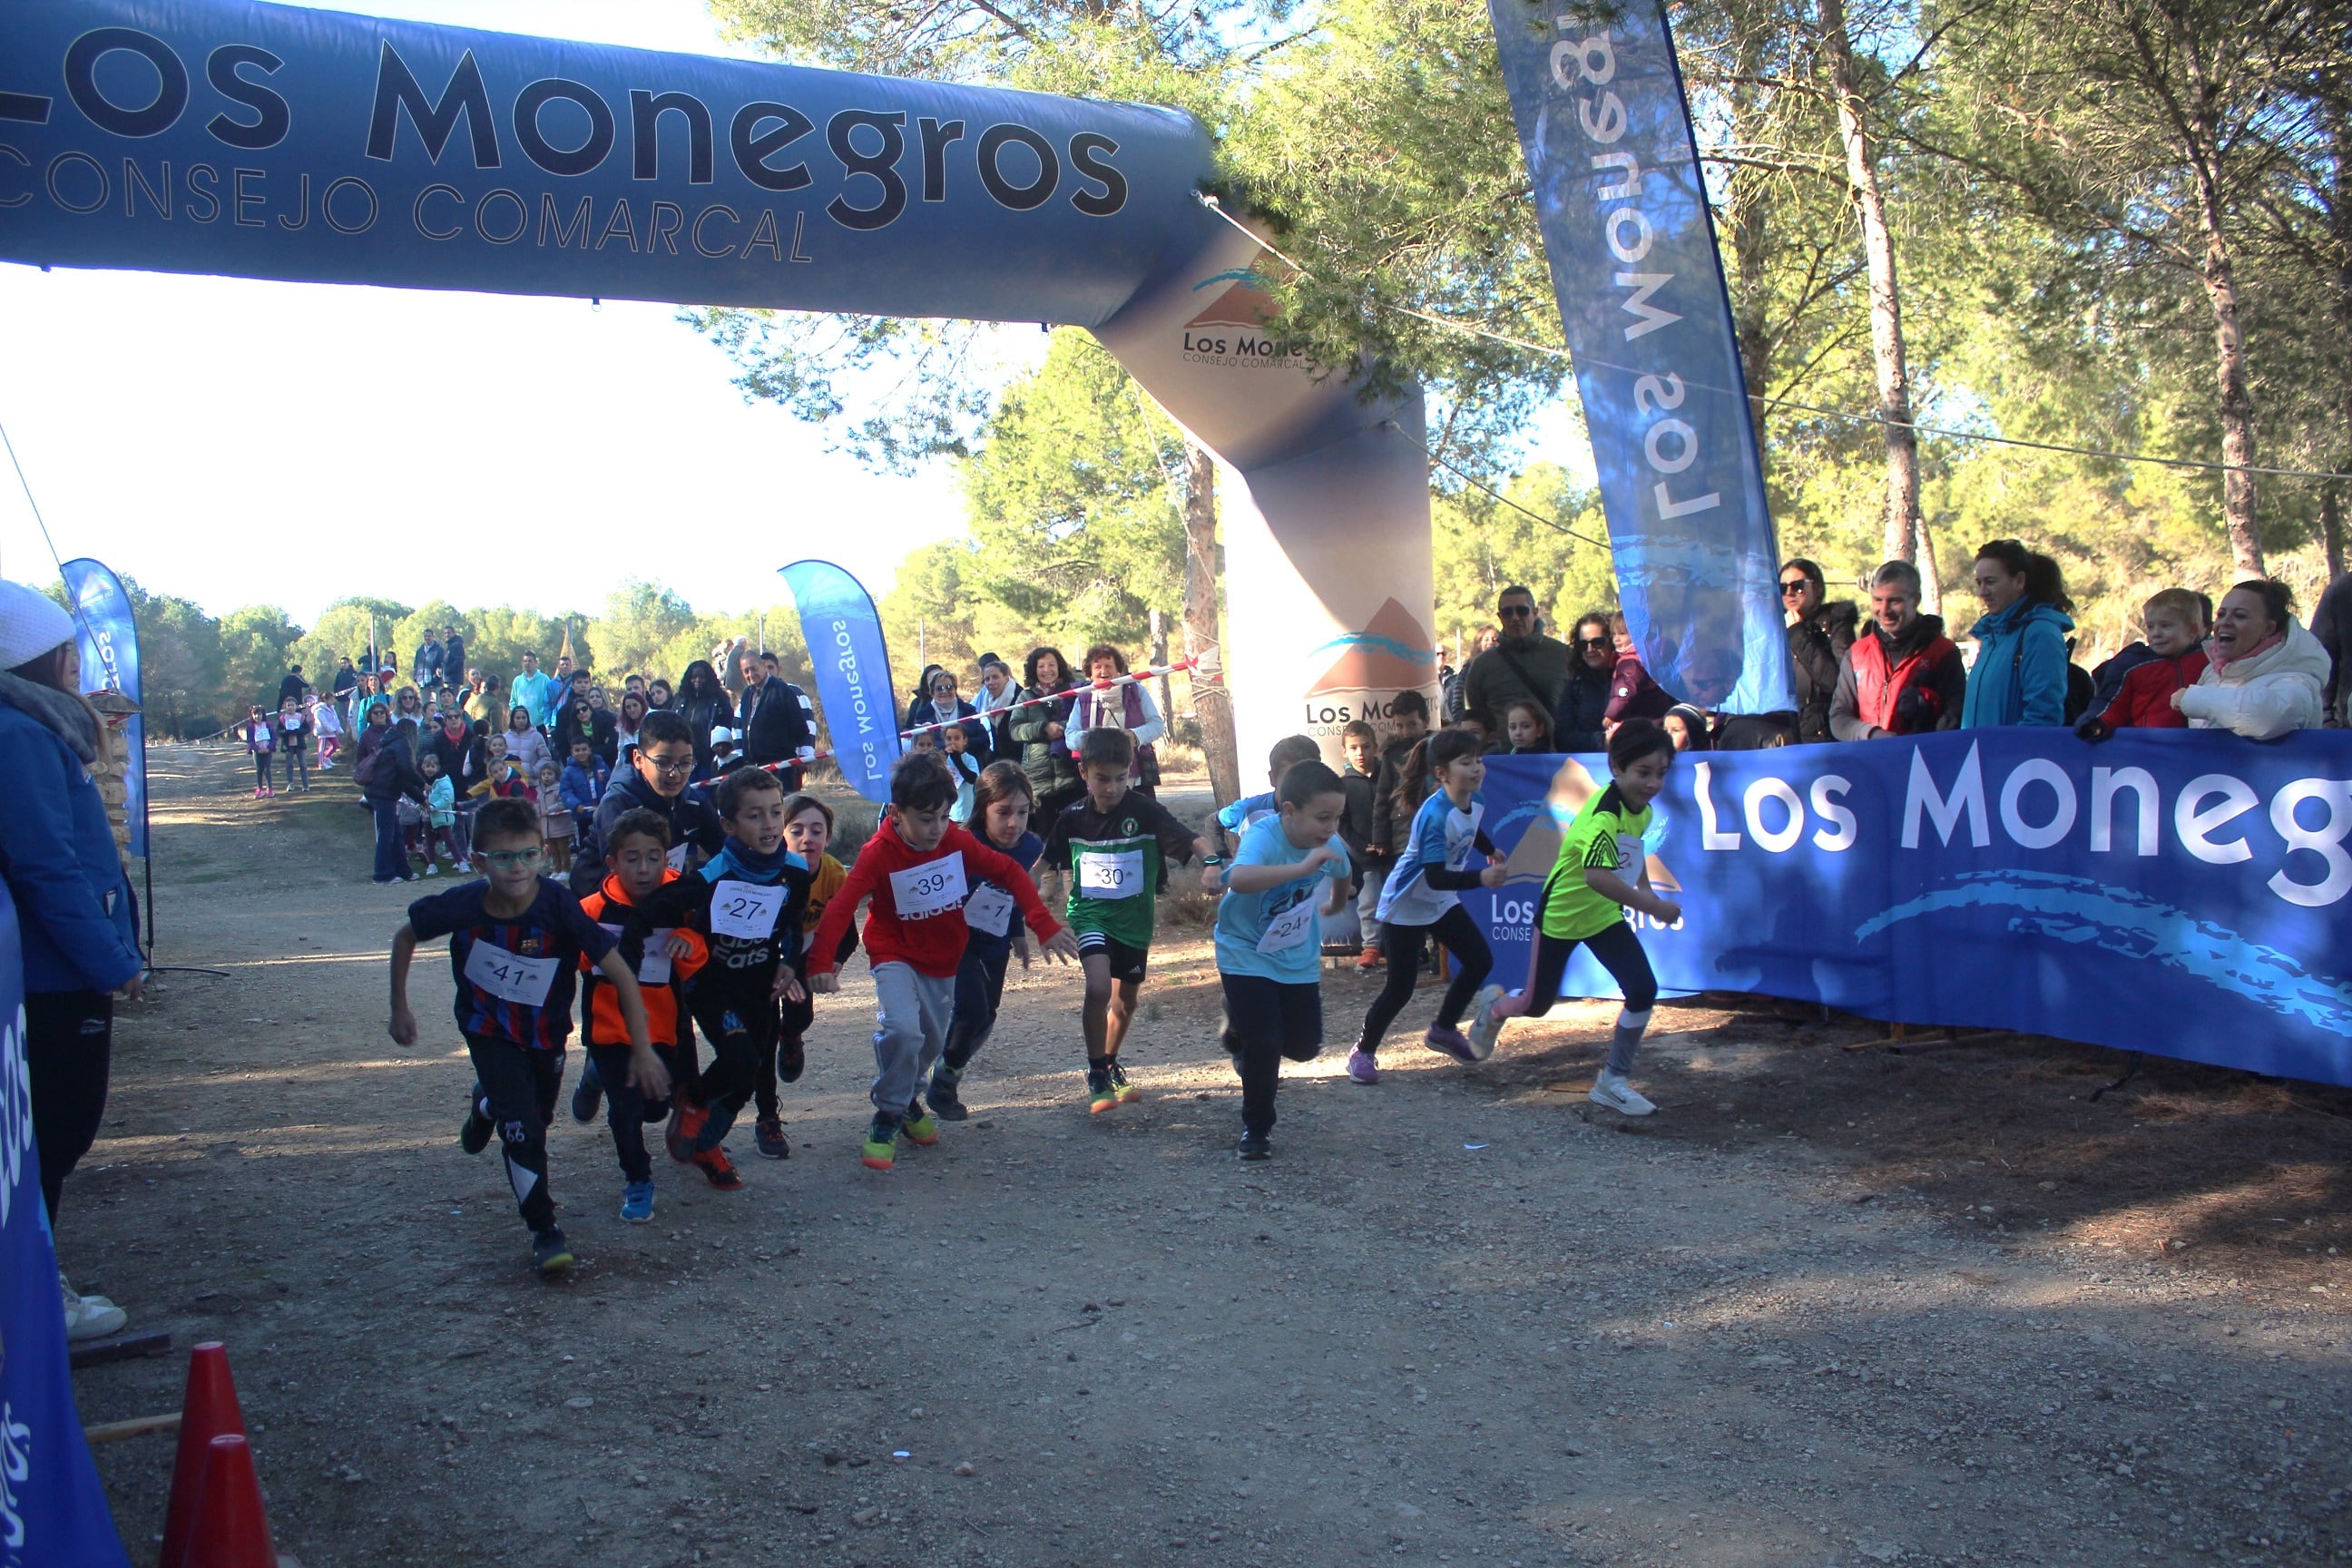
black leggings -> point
(743, 1034)
(69, 1041)
(515, 1089)
(627, 1111)
(1401, 944)
(797, 1018)
(1620, 952)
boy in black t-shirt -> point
(515, 942)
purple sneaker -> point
(1362, 1067)
(1451, 1043)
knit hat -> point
(31, 624)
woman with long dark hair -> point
(74, 905)
(706, 704)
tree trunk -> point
(1745, 215)
(2331, 529)
(1902, 507)
(1213, 702)
(2237, 404)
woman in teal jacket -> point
(2019, 674)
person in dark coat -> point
(77, 921)
(1576, 722)
(779, 725)
(582, 719)
(705, 705)
(2331, 623)
(1037, 728)
(1633, 694)
(1818, 635)
(384, 766)
(453, 656)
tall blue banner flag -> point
(109, 661)
(853, 673)
(52, 1509)
(2177, 891)
(1622, 206)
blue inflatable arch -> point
(264, 140)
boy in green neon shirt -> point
(1113, 842)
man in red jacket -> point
(914, 868)
(1902, 676)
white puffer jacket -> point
(2263, 696)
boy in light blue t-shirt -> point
(1269, 946)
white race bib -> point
(1111, 873)
(989, 910)
(922, 891)
(677, 857)
(746, 910)
(509, 976)
(1629, 852)
(1292, 927)
(652, 967)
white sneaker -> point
(1485, 1027)
(432, 867)
(66, 1285)
(1611, 1091)
(90, 1318)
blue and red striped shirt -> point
(519, 987)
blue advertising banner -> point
(1601, 118)
(853, 673)
(2178, 891)
(109, 661)
(271, 142)
(52, 1510)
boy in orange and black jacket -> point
(662, 958)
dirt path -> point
(1828, 1307)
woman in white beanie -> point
(73, 901)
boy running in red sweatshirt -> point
(918, 870)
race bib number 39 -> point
(933, 887)
(989, 910)
(1111, 873)
(509, 976)
(746, 910)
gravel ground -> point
(1833, 1305)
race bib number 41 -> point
(509, 976)
(933, 887)
(1111, 873)
(746, 910)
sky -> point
(239, 442)
(242, 442)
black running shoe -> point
(1255, 1146)
(792, 1060)
(549, 1253)
(589, 1097)
(769, 1136)
(945, 1104)
(475, 1135)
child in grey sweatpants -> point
(918, 871)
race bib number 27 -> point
(746, 910)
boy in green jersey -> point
(1113, 842)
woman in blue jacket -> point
(73, 902)
(2019, 675)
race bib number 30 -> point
(934, 888)
(1111, 873)
(746, 910)
(509, 976)
(989, 910)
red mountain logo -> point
(1243, 305)
(1391, 654)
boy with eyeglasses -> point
(515, 940)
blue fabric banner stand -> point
(110, 660)
(1603, 120)
(2180, 892)
(853, 673)
(52, 1510)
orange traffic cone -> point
(208, 1410)
(231, 1528)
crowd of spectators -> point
(2246, 665)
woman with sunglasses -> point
(1576, 722)
(1818, 635)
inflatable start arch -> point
(262, 141)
